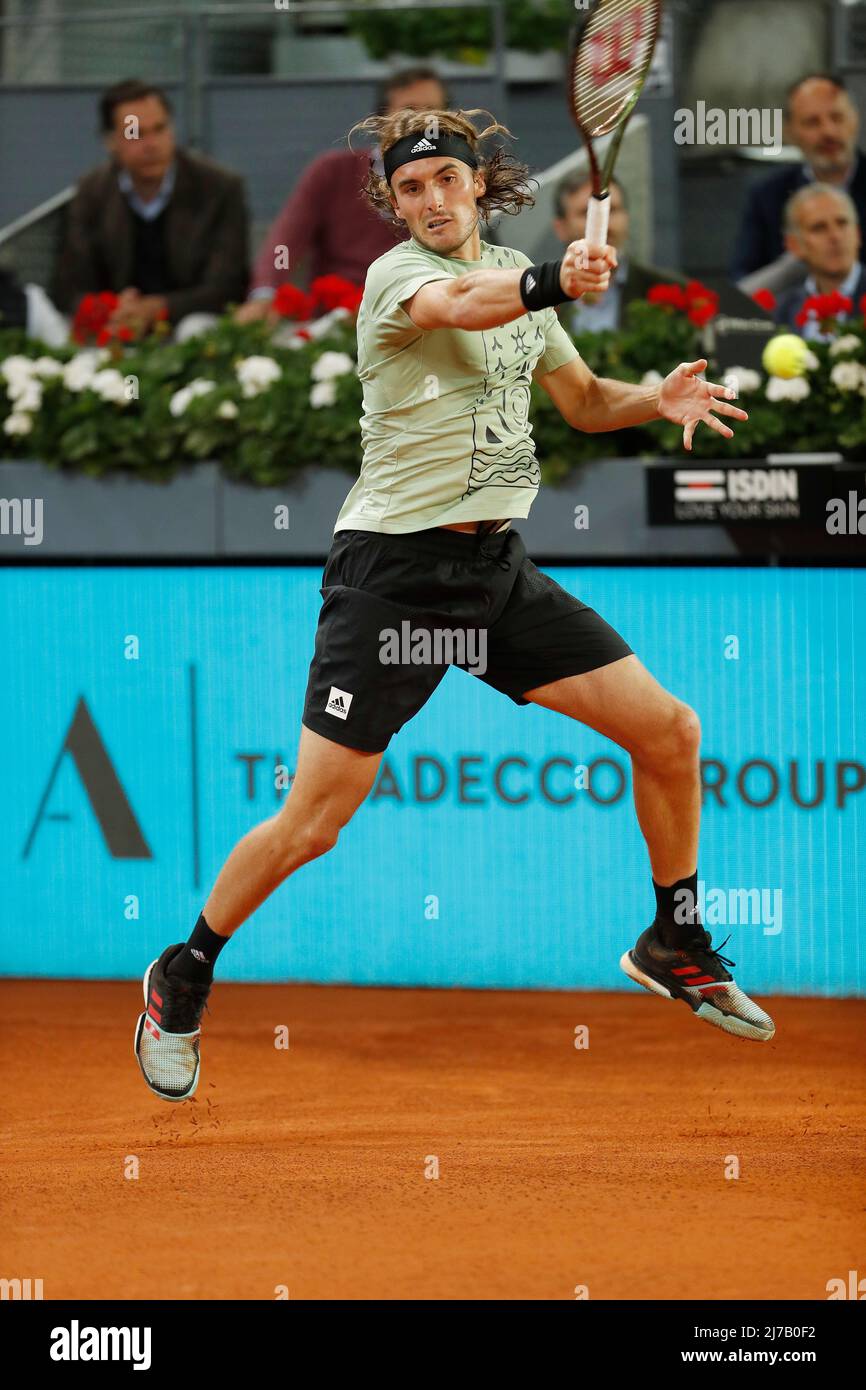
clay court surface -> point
(557, 1167)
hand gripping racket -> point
(610, 54)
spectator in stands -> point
(325, 220)
(823, 229)
(630, 281)
(164, 229)
(823, 121)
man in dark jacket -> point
(164, 229)
(823, 121)
(631, 280)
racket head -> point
(610, 53)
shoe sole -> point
(729, 1023)
(139, 1028)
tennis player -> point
(451, 332)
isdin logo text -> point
(76, 1343)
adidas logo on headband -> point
(447, 144)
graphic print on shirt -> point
(501, 452)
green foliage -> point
(277, 433)
(462, 34)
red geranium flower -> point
(703, 303)
(292, 303)
(333, 292)
(767, 300)
(91, 318)
(824, 306)
(673, 296)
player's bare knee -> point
(300, 844)
(670, 742)
(318, 836)
(684, 736)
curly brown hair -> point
(506, 179)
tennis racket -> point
(610, 54)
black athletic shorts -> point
(399, 609)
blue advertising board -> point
(150, 717)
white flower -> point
(181, 399)
(17, 369)
(809, 361)
(651, 378)
(109, 386)
(323, 393)
(227, 410)
(47, 367)
(848, 376)
(849, 342)
(80, 371)
(256, 374)
(18, 423)
(795, 388)
(743, 379)
(26, 395)
(331, 364)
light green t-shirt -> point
(445, 429)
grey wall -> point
(201, 514)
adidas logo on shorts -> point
(338, 703)
(422, 144)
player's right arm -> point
(488, 298)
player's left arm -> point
(592, 403)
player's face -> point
(823, 122)
(437, 200)
(142, 139)
(572, 227)
(827, 237)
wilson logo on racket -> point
(621, 60)
(611, 53)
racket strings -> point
(615, 50)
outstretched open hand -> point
(686, 400)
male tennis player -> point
(451, 331)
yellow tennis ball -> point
(785, 355)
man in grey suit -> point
(822, 229)
(164, 229)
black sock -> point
(198, 957)
(677, 917)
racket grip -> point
(597, 219)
